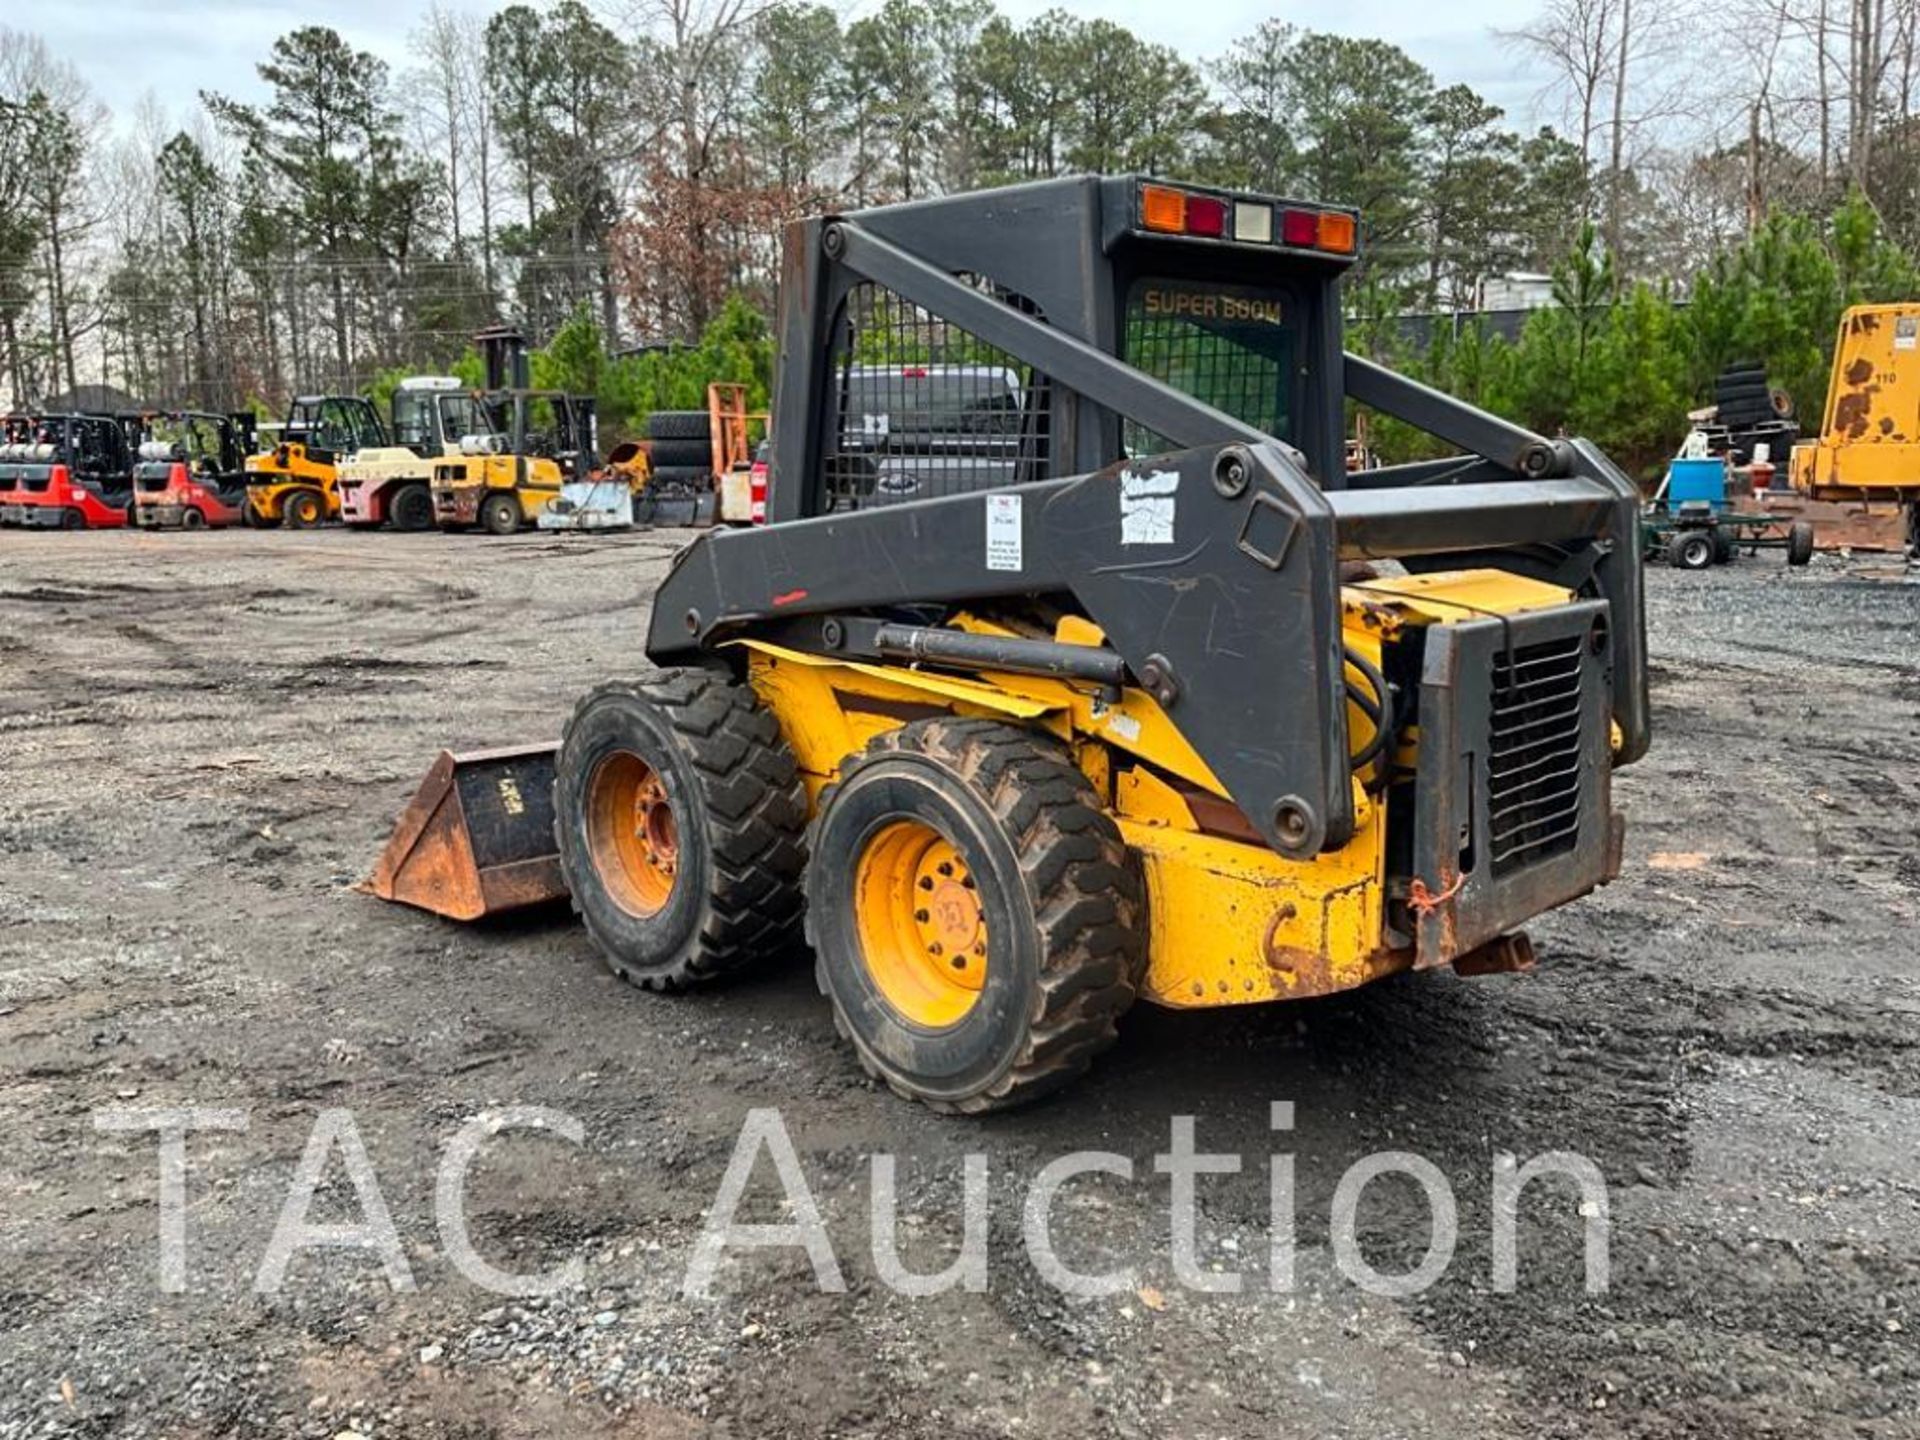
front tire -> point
(977, 921)
(1691, 550)
(500, 515)
(412, 508)
(681, 823)
(303, 510)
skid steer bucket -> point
(477, 837)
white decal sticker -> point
(1146, 507)
(1003, 533)
(1906, 329)
(1124, 726)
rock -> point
(431, 1353)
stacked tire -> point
(1746, 400)
(1751, 411)
(682, 446)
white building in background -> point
(1516, 290)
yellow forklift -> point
(536, 442)
(296, 483)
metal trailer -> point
(1698, 536)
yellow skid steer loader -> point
(1074, 668)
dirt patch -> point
(201, 766)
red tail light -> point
(1300, 227)
(1206, 216)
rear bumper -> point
(44, 516)
(457, 505)
(357, 506)
(159, 517)
(10, 513)
(1514, 782)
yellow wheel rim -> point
(632, 834)
(922, 932)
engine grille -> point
(1534, 760)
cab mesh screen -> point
(1229, 346)
(923, 408)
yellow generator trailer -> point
(1867, 455)
(1074, 668)
(295, 483)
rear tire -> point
(711, 882)
(192, 519)
(303, 510)
(977, 920)
(412, 508)
(1690, 550)
(1799, 543)
(500, 515)
(73, 520)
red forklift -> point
(16, 436)
(191, 473)
(74, 472)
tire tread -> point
(1085, 885)
(757, 813)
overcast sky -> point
(175, 48)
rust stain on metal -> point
(1842, 524)
(1277, 954)
(1853, 412)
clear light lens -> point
(1253, 223)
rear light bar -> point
(1166, 210)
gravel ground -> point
(205, 739)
